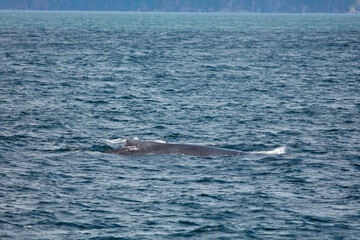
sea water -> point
(75, 84)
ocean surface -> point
(75, 84)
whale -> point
(137, 147)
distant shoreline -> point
(178, 12)
(185, 6)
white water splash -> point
(123, 140)
(118, 140)
(276, 151)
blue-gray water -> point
(71, 81)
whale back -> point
(148, 147)
(136, 147)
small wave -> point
(276, 151)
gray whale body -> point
(137, 147)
